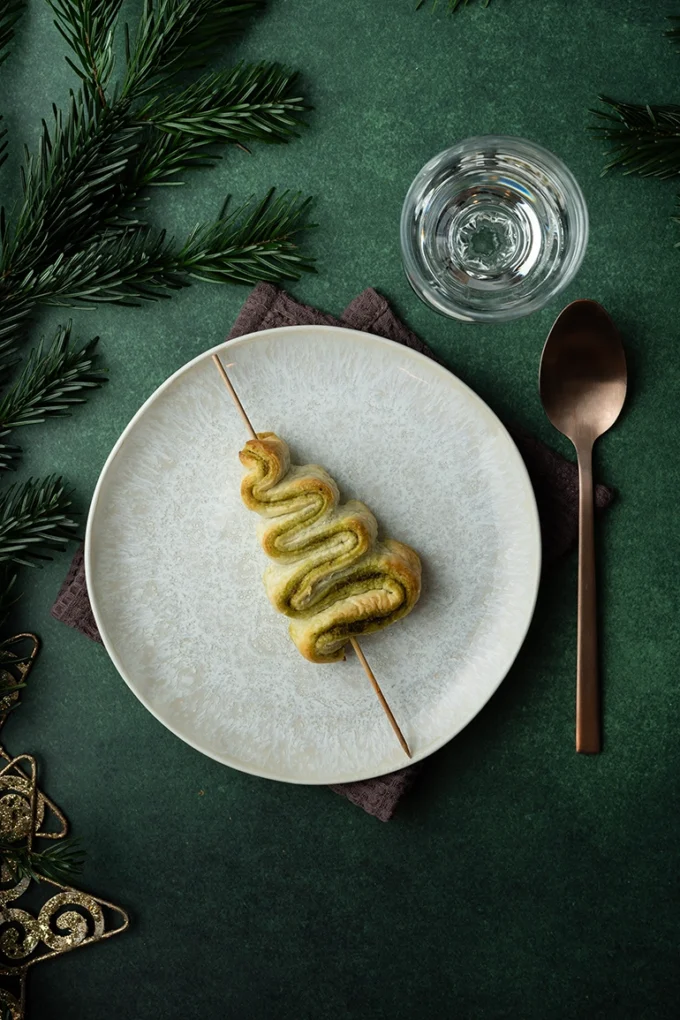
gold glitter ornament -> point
(68, 917)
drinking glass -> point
(492, 229)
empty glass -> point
(492, 229)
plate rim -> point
(360, 335)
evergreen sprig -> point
(88, 28)
(249, 102)
(61, 862)
(255, 242)
(249, 244)
(83, 188)
(71, 189)
(646, 139)
(179, 35)
(10, 12)
(52, 382)
(34, 522)
(162, 158)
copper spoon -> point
(583, 388)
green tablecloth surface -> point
(520, 880)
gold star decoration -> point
(68, 918)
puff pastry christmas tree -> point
(329, 573)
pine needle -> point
(178, 35)
(85, 184)
(69, 185)
(162, 157)
(61, 862)
(646, 139)
(249, 102)
(88, 28)
(10, 12)
(51, 383)
(34, 522)
(258, 241)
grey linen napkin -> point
(555, 482)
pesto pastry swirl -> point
(329, 573)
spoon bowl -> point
(583, 372)
(582, 383)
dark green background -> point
(519, 880)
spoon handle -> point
(588, 726)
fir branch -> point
(14, 310)
(646, 139)
(70, 185)
(178, 35)
(162, 157)
(249, 102)
(246, 103)
(61, 862)
(88, 28)
(72, 189)
(92, 166)
(258, 241)
(51, 383)
(10, 12)
(118, 269)
(33, 521)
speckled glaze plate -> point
(174, 566)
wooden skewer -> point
(234, 395)
(353, 641)
(381, 697)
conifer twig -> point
(33, 521)
(645, 139)
(53, 380)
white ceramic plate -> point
(174, 566)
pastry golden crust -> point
(329, 573)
